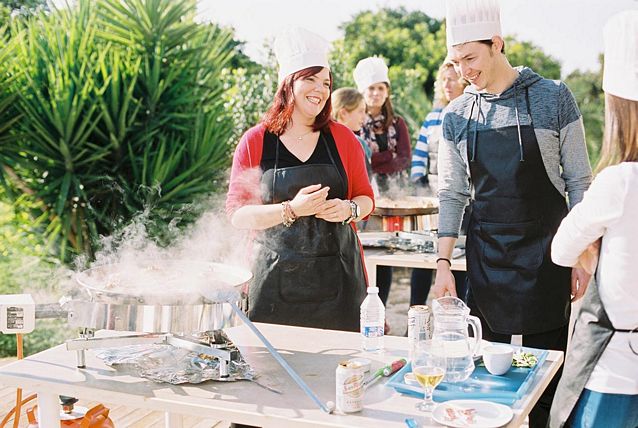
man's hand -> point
(444, 281)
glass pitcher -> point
(451, 318)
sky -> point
(568, 30)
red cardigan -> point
(245, 188)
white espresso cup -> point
(498, 358)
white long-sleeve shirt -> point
(609, 209)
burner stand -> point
(214, 344)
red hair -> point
(279, 115)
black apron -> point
(592, 333)
(516, 211)
(310, 274)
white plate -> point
(488, 414)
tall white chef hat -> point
(620, 76)
(369, 71)
(297, 48)
(472, 20)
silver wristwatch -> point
(355, 212)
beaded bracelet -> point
(288, 216)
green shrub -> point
(119, 110)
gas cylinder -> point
(76, 416)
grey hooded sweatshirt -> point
(558, 126)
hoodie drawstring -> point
(475, 131)
(529, 110)
(477, 102)
(518, 124)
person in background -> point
(515, 143)
(387, 136)
(424, 173)
(599, 386)
(299, 180)
(349, 109)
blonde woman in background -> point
(448, 86)
(599, 386)
(349, 109)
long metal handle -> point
(84, 343)
(309, 392)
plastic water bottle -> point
(372, 321)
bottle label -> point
(373, 331)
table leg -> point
(48, 410)
(173, 420)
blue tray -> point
(481, 385)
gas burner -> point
(214, 339)
(223, 350)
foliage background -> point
(117, 110)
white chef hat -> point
(297, 48)
(471, 20)
(369, 71)
(620, 76)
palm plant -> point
(119, 111)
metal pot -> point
(165, 296)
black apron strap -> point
(592, 333)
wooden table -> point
(313, 353)
(374, 257)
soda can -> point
(420, 326)
(349, 387)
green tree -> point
(411, 42)
(532, 56)
(249, 91)
(119, 110)
(587, 87)
(25, 6)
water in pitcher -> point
(459, 357)
(451, 319)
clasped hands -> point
(313, 200)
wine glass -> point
(428, 367)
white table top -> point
(313, 353)
(407, 259)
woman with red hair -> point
(299, 179)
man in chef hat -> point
(599, 386)
(519, 140)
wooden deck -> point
(122, 416)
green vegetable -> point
(524, 359)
